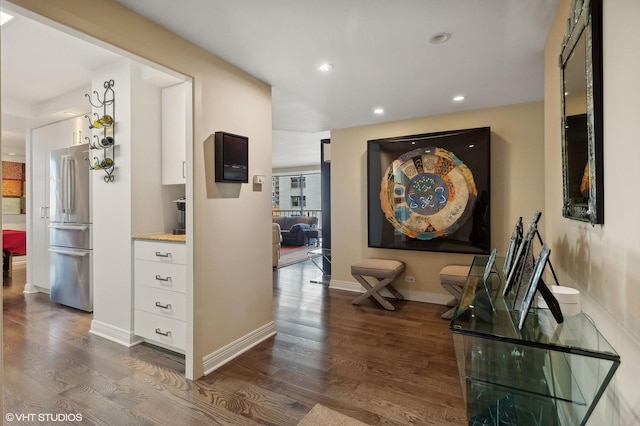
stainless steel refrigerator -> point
(70, 233)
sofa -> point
(276, 239)
(293, 229)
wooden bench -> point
(383, 270)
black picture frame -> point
(468, 149)
(537, 284)
(490, 264)
(231, 158)
(514, 243)
(522, 259)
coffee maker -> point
(181, 203)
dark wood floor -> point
(381, 367)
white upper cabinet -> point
(176, 107)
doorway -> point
(34, 101)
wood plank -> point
(378, 366)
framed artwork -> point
(430, 192)
(13, 188)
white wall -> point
(517, 162)
(112, 206)
(602, 261)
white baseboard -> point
(413, 295)
(115, 334)
(30, 288)
(227, 353)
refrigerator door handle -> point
(69, 253)
(70, 227)
(68, 184)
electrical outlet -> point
(410, 279)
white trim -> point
(346, 285)
(234, 349)
(412, 295)
(115, 334)
(30, 288)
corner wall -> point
(602, 260)
(517, 162)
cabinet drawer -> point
(160, 275)
(167, 331)
(161, 252)
(161, 302)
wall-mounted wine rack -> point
(105, 124)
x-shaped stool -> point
(383, 270)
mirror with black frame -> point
(581, 65)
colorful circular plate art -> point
(427, 193)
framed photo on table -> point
(490, 264)
(537, 284)
(523, 261)
(514, 243)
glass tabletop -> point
(320, 252)
(483, 311)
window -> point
(298, 182)
(297, 199)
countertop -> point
(161, 237)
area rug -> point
(293, 254)
(323, 416)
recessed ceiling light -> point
(458, 98)
(5, 17)
(11, 153)
(325, 67)
(439, 38)
(471, 146)
(378, 111)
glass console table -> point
(545, 374)
(324, 254)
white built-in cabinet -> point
(175, 107)
(42, 140)
(160, 286)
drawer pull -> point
(160, 305)
(158, 254)
(159, 278)
(158, 331)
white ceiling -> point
(379, 49)
(45, 73)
